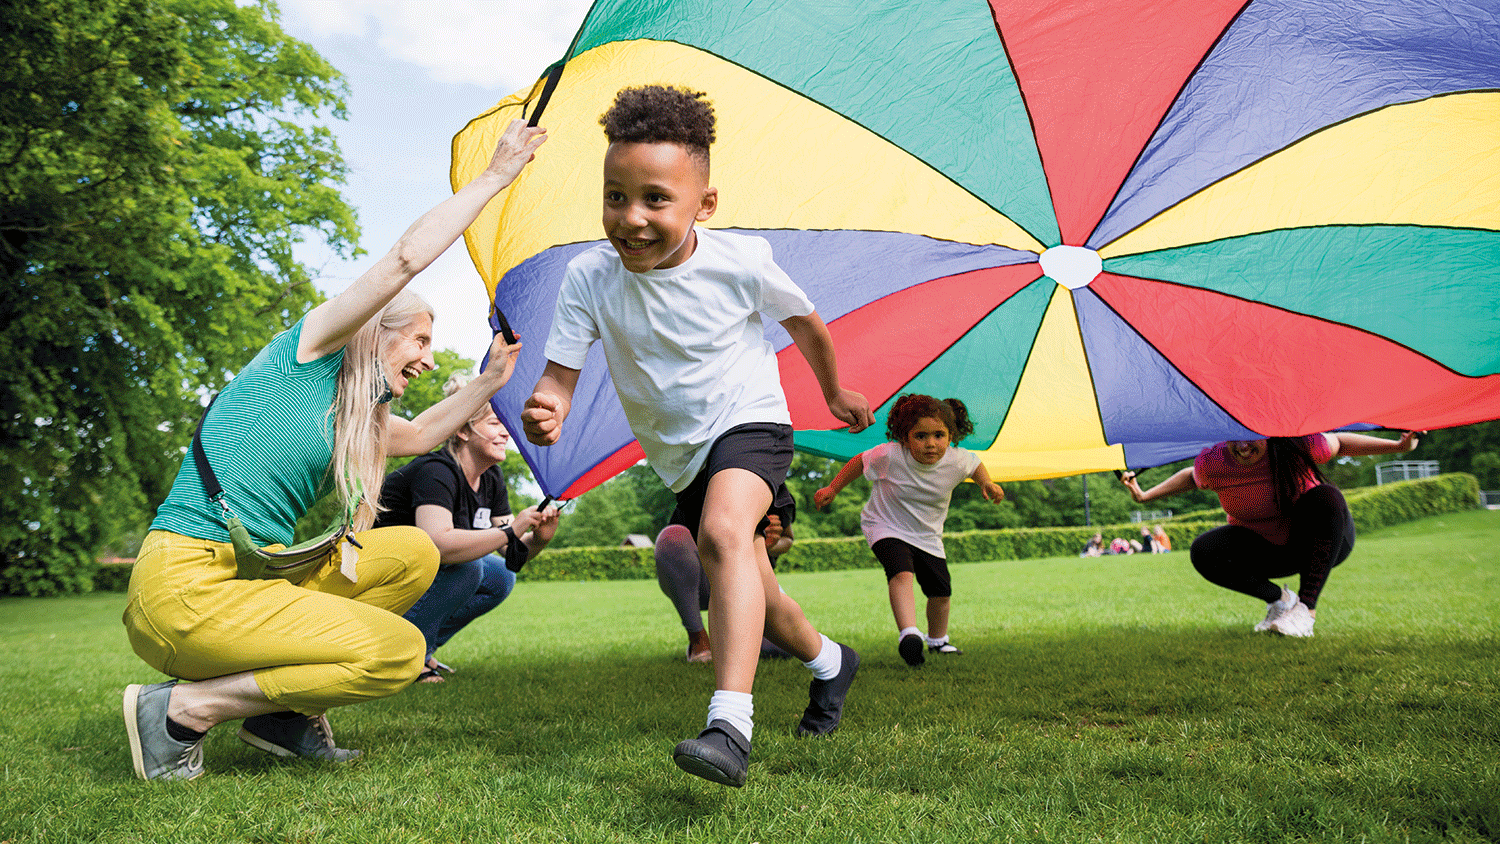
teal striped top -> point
(269, 439)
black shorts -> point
(897, 556)
(764, 448)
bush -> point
(113, 576)
(44, 568)
(1372, 508)
(591, 563)
(1375, 507)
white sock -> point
(828, 662)
(908, 631)
(738, 708)
(936, 643)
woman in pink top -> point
(1284, 517)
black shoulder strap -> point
(205, 471)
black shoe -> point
(911, 649)
(719, 754)
(305, 736)
(825, 706)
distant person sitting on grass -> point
(1147, 542)
(912, 479)
(1161, 543)
(1284, 518)
(1094, 547)
(678, 311)
(309, 410)
(679, 573)
(457, 495)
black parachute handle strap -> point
(549, 84)
(502, 325)
(554, 73)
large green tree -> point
(159, 159)
(1471, 448)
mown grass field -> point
(1112, 699)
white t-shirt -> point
(686, 346)
(909, 501)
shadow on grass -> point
(1217, 734)
(1144, 710)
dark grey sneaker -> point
(825, 705)
(719, 754)
(155, 754)
(307, 737)
(911, 649)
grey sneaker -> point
(307, 737)
(1277, 608)
(154, 753)
(1297, 621)
(825, 698)
(719, 754)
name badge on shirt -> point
(481, 518)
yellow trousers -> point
(323, 643)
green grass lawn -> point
(1110, 699)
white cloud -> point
(502, 44)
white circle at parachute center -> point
(1071, 266)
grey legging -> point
(680, 575)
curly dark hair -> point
(655, 114)
(913, 406)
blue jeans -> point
(459, 594)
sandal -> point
(430, 675)
(698, 649)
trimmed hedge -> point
(113, 577)
(1372, 507)
(591, 564)
(975, 546)
(1375, 507)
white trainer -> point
(1298, 621)
(1277, 608)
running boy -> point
(678, 310)
(912, 479)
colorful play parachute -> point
(1118, 231)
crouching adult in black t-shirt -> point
(457, 495)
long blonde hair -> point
(457, 381)
(361, 420)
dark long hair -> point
(1290, 462)
(913, 406)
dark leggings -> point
(1322, 536)
(680, 575)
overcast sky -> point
(418, 70)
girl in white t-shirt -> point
(912, 480)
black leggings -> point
(1322, 536)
